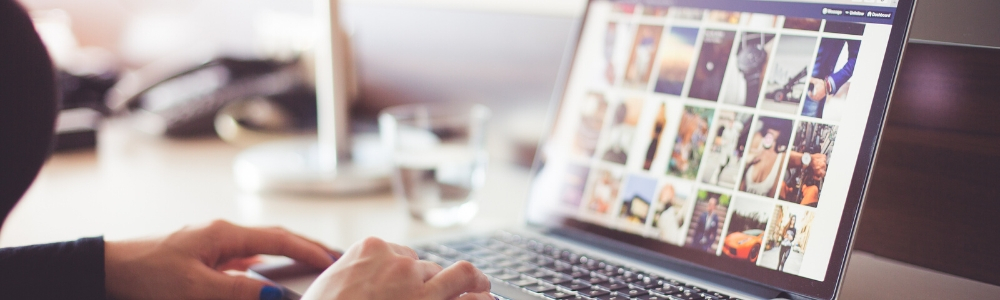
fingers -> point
(239, 264)
(236, 241)
(476, 296)
(336, 254)
(458, 279)
(376, 245)
(428, 269)
(403, 250)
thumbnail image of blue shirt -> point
(707, 229)
(824, 73)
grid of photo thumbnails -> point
(711, 130)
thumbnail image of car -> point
(744, 245)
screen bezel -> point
(825, 289)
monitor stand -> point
(331, 163)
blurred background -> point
(504, 53)
(178, 68)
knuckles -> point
(371, 245)
(466, 269)
(219, 225)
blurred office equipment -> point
(334, 162)
(185, 102)
(84, 76)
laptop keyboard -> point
(557, 273)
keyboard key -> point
(562, 267)
(651, 278)
(611, 297)
(507, 264)
(495, 258)
(524, 268)
(674, 282)
(508, 276)
(543, 261)
(572, 258)
(628, 276)
(577, 273)
(480, 263)
(593, 264)
(715, 294)
(556, 279)
(575, 286)
(652, 297)
(524, 282)
(633, 292)
(538, 273)
(606, 273)
(667, 289)
(645, 285)
(614, 286)
(593, 292)
(491, 271)
(687, 295)
(593, 279)
(540, 288)
(559, 295)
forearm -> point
(794, 159)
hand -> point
(376, 270)
(189, 263)
(818, 166)
(819, 89)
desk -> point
(136, 185)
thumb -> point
(242, 288)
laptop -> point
(702, 149)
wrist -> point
(113, 268)
(121, 268)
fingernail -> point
(270, 292)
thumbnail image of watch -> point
(750, 61)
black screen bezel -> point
(825, 289)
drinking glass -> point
(439, 158)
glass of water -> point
(439, 158)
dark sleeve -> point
(844, 74)
(824, 66)
(28, 101)
(68, 270)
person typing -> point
(189, 263)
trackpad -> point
(293, 276)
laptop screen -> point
(736, 135)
